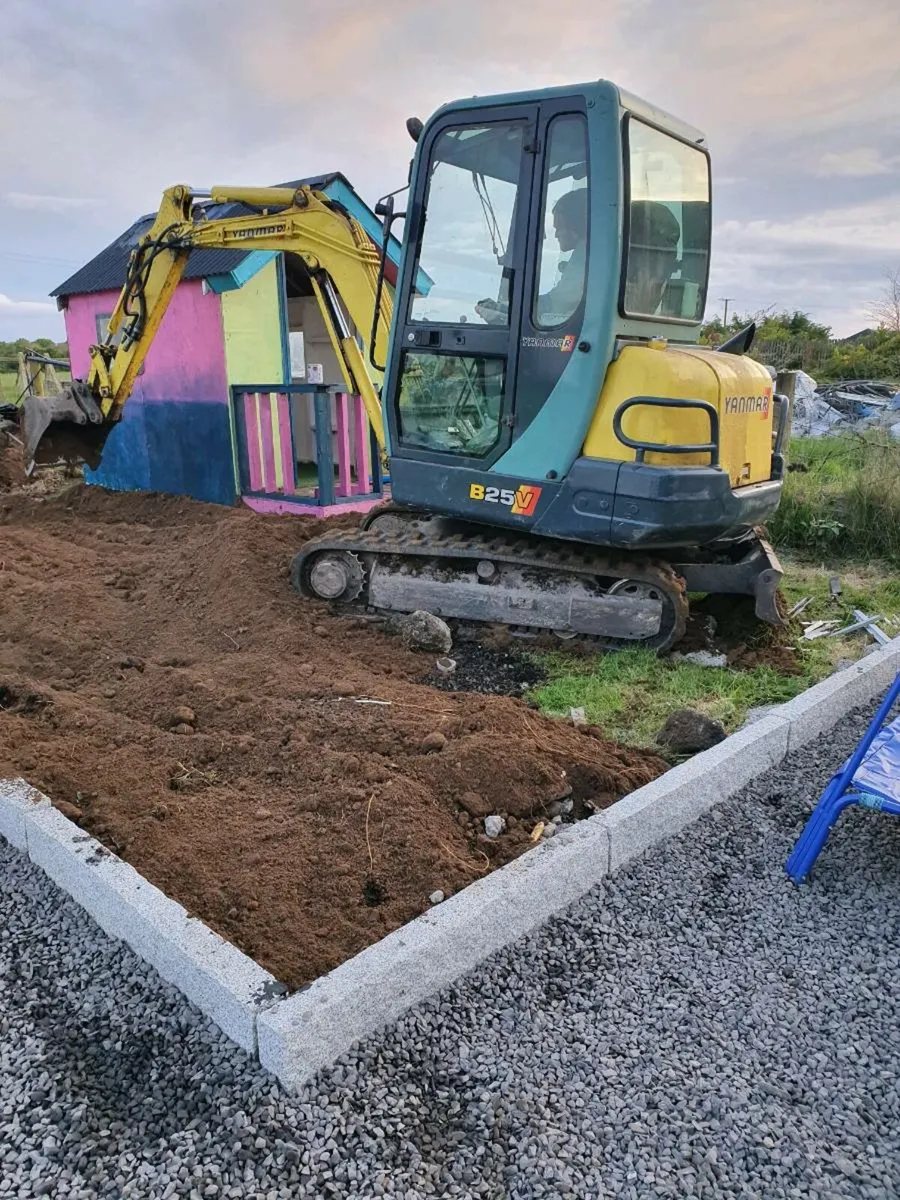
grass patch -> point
(9, 391)
(845, 502)
(840, 515)
(630, 694)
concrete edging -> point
(224, 983)
(295, 1036)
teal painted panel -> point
(245, 270)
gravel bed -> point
(695, 1027)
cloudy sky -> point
(103, 104)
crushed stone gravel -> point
(695, 1027)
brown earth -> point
(12, 468)
(737, 632)
(163, 684)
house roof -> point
(859, 336)
(106, 270)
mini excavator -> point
(563, 454)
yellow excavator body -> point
(739, 389)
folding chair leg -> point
(815, 834)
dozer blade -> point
(69, 426)
(749, 567)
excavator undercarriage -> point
(403, 560)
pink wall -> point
(187, 358)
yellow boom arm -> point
(337, 251)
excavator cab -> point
(549, 380)
(555, 230)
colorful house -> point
(223, 410)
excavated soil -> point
(12, 469)
(163, 684)
(729, 625)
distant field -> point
(8, 390)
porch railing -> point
(346, 454)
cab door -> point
(460, 303)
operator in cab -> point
(570, 219)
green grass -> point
(631, 693)
(846, 503)
(8, 388)
(872, 587)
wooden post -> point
(23, 383)
(324, 452)
(786, 385)
(345, 483)
(361, 438)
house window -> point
(101, 321)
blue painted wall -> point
(181, 446)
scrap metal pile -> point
(856, 404)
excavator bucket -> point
(69, 426)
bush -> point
(877, 357)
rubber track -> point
(517, 551)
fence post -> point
(324, 461)
(375, 460)
(341, 403)
(786, 385)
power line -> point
(727, 300)
(38, 258)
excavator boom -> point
(342, 262)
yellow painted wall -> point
(251, 323)
(251, 320)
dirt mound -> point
(12, 467)
(283, 772)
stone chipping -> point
(696, 1026)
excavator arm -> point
(343, 266)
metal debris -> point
(817, 629)
(877, 633)
(800, 606)
(861, 622)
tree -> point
(46, 346)
(886, 310)
(786, 326)
(771, 326)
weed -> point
(846, 501)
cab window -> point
(668, 226)
(465, 255)
(562, 275)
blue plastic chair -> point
(870, 777)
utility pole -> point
(727, 300)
